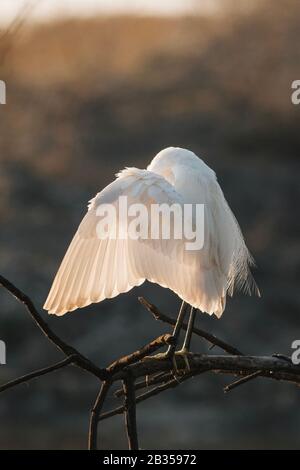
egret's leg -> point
(184, 351)
(189, 331)
(178, 325)
(169, 354)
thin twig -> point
(242, 381)
(94, 418)
(139, 399)
(149, 381)
(151, 393)
(130, 412)
(204, 334)
(68, 350)
(135, 365)
(13, 29)
(37, 373)
(123, 362)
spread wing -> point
(94, 269)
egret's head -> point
(174, 161)
(170, 157)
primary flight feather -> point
(94, 269)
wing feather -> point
(94, 269)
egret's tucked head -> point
(167, 159)
(175, 160)
(172, 156)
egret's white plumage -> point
(94, 269)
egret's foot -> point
(160, 356)
(184, 353)
(173, 357)
(167, 355)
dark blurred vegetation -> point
(87, 97)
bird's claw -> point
(177, 370)
(184, 353)
(159, 356)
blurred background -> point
(92, 87)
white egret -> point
(94, 268)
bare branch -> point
(120, 409)
(130, 412)
(93, 430)
(149, 348)
(37, 373)
(171, 321)
(242, 381)
(79, 359)
(269, 366)
(148, 382)
(155, 391)
(160, 371)
(14, 28)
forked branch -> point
(138, 371)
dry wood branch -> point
(79, 359)
(137, 366)
(148, 382)
(269, 366)
(75, 357)
(37, 373)
(242, 381)
(149, 348)
(130, 412)
(98, 405)
(151, 393)
(8, 36)
(204, 334)
(155, 391)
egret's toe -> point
(184, 353)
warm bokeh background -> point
(87, 97)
